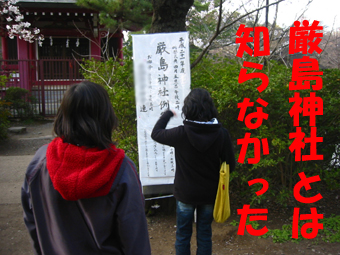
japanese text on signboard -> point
(162, 81)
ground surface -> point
(17, 151)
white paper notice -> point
(162, 81)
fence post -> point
(23, 63)
(41, 65)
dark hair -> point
(199, 106)
(86, 116)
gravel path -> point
(15, 155)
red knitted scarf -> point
(80, 172)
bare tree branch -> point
(84, 34)
(93, 72)
(219, 30)
(219, 16)
(329, 38)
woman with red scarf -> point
(82, 194)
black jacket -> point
(111, 224)
(199, 150)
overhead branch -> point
(283, 34)
(329, 37)
(220, 30)
(219, 16)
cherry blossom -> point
(16, 26)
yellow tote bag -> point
(222, 203)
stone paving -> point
(15, 155)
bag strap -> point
(224, 146)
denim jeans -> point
(185, 216)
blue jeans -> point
(185, 217)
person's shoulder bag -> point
(222, 203)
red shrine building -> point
(71, 33)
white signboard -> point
(162, 81)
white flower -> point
(12, 8)
(19, 18)
(20, 28)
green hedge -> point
(220, 77)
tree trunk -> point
(169, 15)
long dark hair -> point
(86, 116)
(199, 106)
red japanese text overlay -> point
(246, 210)
(314, 216)
(253, 120)
(305, 38)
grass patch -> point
(330, 232)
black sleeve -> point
(162, 135)
(29, 218)
(132, 224)
(229, 153)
